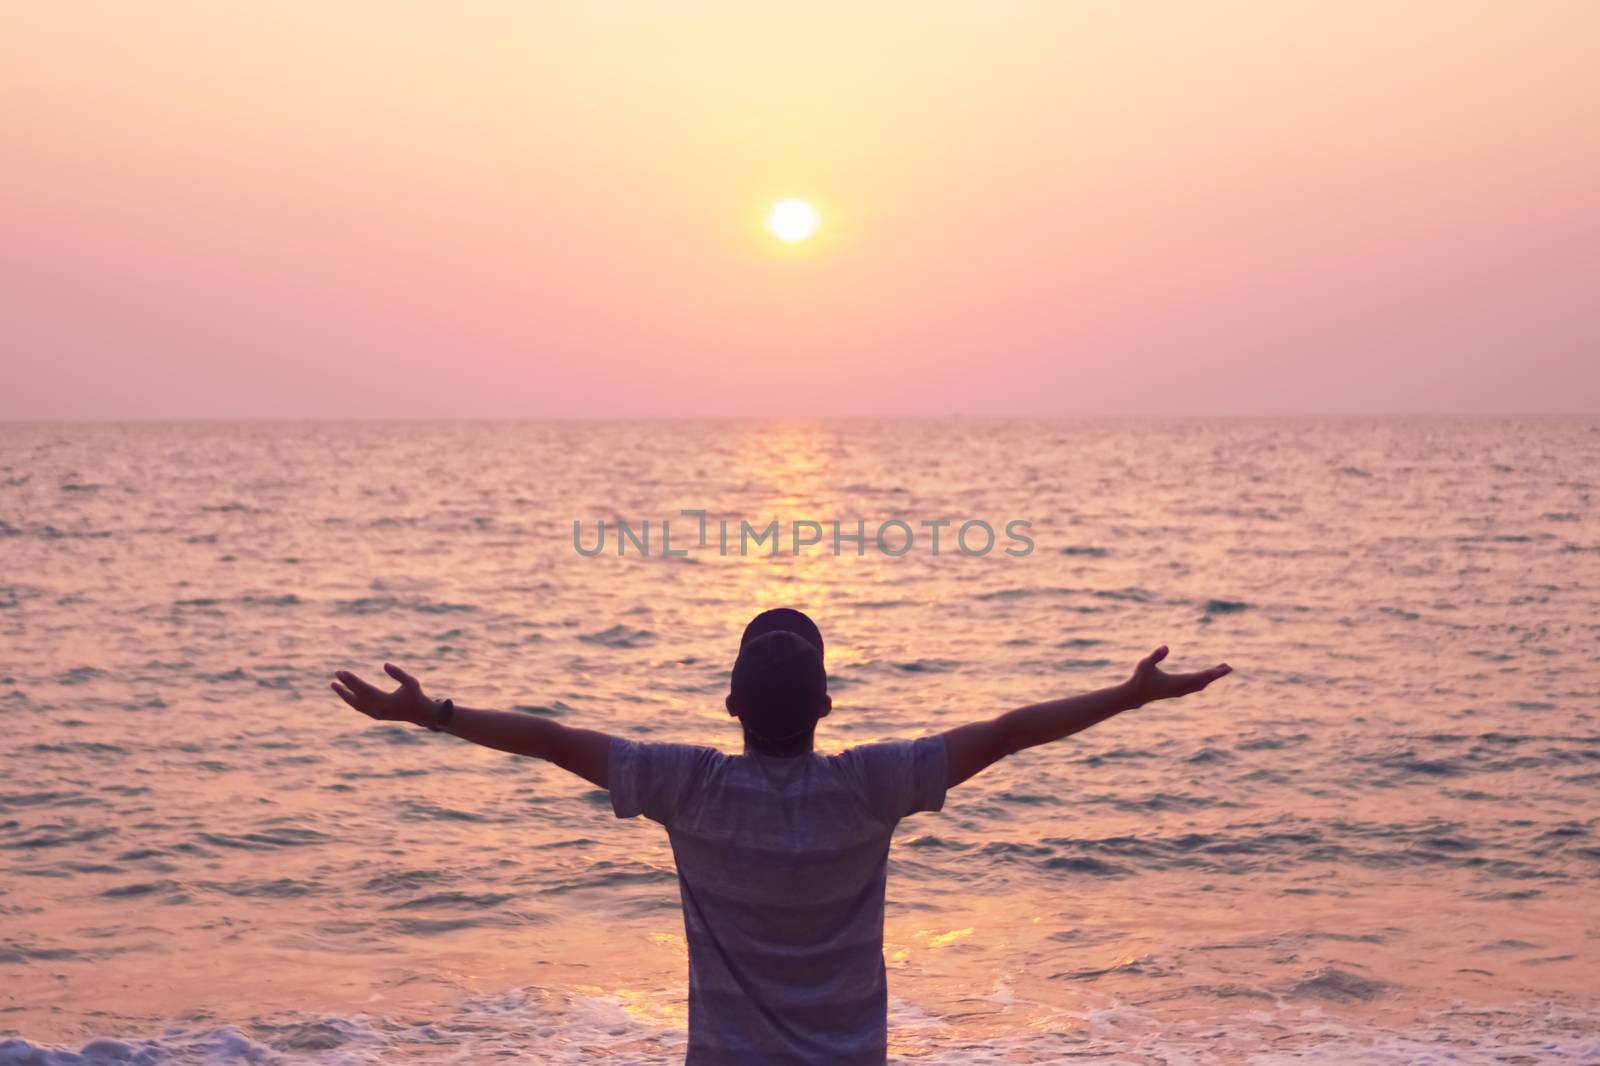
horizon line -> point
(941, 417)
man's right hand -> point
(970, 748)
(1148, 683)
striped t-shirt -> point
(781, 866)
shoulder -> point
(663, 760)
(891, 752)
(665, 751)
(651, 778)
(898, 777)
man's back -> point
(781, 866)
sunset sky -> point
(388, 209)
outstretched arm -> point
(971, 748)
(584, 752)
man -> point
(781, 852)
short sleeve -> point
(900, 777)
(654, 780)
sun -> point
(793, 220)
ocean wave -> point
(619, 636)
(268, 840)
(1305, 1023)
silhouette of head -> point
(779, 688)
(785, 620)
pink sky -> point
(395, 209)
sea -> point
(1376, 841)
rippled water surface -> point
(1377, 840)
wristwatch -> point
(442, 715)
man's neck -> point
(790, 748)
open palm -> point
(404, 704)
(1149, 683)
